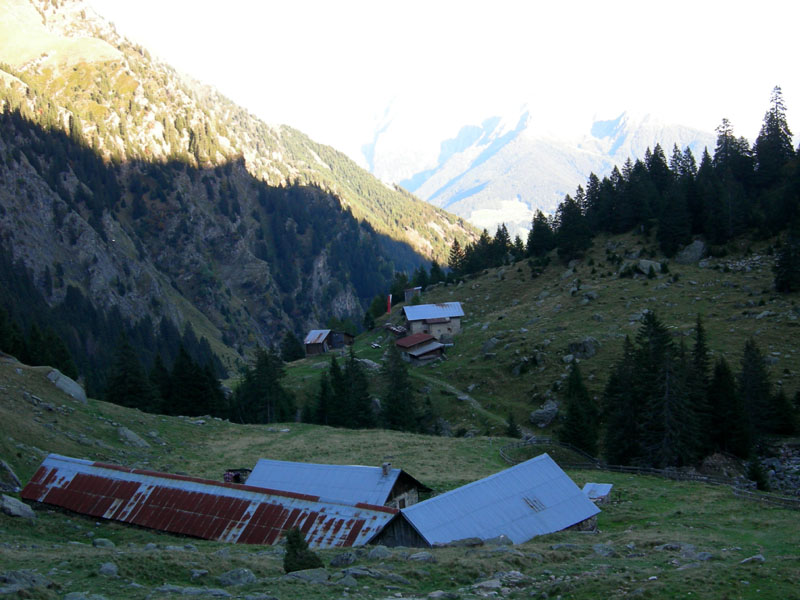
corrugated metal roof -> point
(201, 508)
(345, 483)
(433, 311)
(425, 349)
(533, 498)
(316, 336)
(597, 490)
(413, 340)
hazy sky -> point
(330, 68)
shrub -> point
(298, 557)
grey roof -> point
(597, 490)
(316, 336)
(425, 348)
(529, 499)
(344, 483)
(433, 311)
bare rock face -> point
(9, 482)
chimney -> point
(386, 468)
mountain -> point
(502, 168)
(149, 201)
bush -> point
(298, 557)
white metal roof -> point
(597, 490)
(433, 311)
(344, 483)
(533, 498)
(425, 348)
(316, 336)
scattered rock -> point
(108, 569)
(564, 547)
(758, 558)
(103, 543)
(24, 579)
(343, 560)
(604, 550)
(568, 358)
(369, 365)
(379, 553)
(309, 575)
(236, 577)
(67, 385)
(469, 542)
(489, 584)
(586, 348)
(441, 595)
(83, 596)
(15, 508)
(347, 581)
(545, 415)
(500, 540)
(198, 573)
(423, 556)
(129, 437)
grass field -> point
(655, 539)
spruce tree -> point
(541, 238)
(298, 557)
(787, 263)
(754, 390)
(773, 146)
(622, 411)
(359, 401)
(291, 348)
(697, 383)
(729, 431)
(581, 422)
(398, 407)
(456, 261)
(128, 384)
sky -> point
(331, 68)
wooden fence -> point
(742, 488)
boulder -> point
(236, 577)
(108, 569)
(423, 556)
(343, 560)
(103, 543)
(15, 508)
(379, 553)
(128, 436)
(24, 579)
(586, 348)
(9, 482)
(500, 540)
(645, 265)
(309, 575)
(691, 254)
(67, 385)
(545, 415)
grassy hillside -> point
(517, 331)
(656, 539)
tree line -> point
(742, 188)
(668, 406)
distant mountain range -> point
(502, 168)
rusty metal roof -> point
(317, 336)
(433, 311)
(413, 340)
(201, 508)
(526, 500)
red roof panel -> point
(201, 508)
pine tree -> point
(298, 557)
(291, 348)
(622, 411)
(322, 401)
(573, 236)
(541, 238)
(773, 146)
(787, 263)
(128, 384)
(581, 422)
(398, 407)
(754, 390)
(359, 401)
(697, 383)
(456, 261)
(729, 431)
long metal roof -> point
(425, 349)
(316, 336)
(533, 498)
(201, 508)
(345, 483)
(433, 311)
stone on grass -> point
(309, 575)
(423, 556)
(9, 482)
(15, 508)
(103, 543)
(240, 576)
(129, 437)
(379, 553)
(343, 560)
(758, 558)
(500, 540)
(108, 569)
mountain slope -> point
(507, 167)
(129, 189)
